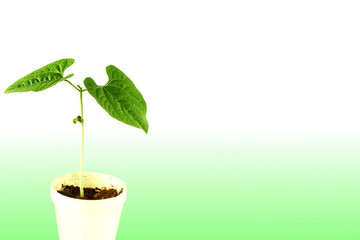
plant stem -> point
(72, 85)
(82, 143)
(81, 90)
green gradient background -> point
(189, 187)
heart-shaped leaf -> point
(120, 98)
(42, 78)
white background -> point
(202, 66)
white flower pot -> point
(80, 219)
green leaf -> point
(42, 78)
(120, 98)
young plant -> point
(119, 96)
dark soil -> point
(90, 193)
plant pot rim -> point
(55, 193)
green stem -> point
(81, 90)
(82, 143)
(73, 85)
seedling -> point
(118, 97)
